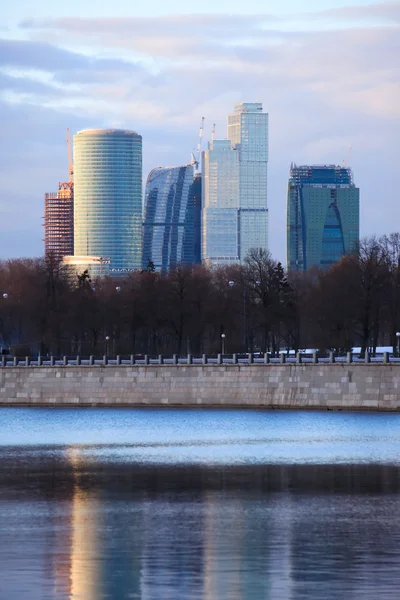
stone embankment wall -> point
(329, 386)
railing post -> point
(315, 358)
(3, 361)
(251, 358)
(234, 359)
(65, 361)
(118, 360)
(349, 358)
(146, 359)
(39, 361)
(15, 361)
(52, 361)
(105, 361)
(27, 361)
(283, 358)
(132, 360)
(386, 357)
(189, 359)
(298, 358)
(91, 360)
(331, 357)
(204, 359)
(175, 359)
(367, 357)
(160, 359)
(78, 360)
(267, 359)
(219, 359)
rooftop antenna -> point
(70, 163)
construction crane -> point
(345, 161)
(200, 141)
(70, 163)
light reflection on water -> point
(207, 505)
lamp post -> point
(4, 296)
(223, 343)
(398, 342)
(106, 339)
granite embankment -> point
(316, 386)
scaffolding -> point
(59, 221)
(59, 215)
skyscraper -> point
(323, 216)
(59, 215)
(59, 221)
(220, 204)
(171, 229)
(235, 213)
(248, 133)
(108, 197)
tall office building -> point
(108, 198)
(323, 216)
(171, 229)
(59, 221)
(220, 204)
(235, 213)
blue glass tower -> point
(171, 228)
(323, 216)
(108, 197)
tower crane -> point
(70, 163)
(200, 141)
(346, 160)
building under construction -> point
(59, 216)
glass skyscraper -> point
(323, 216)
(220, 204)
(108, 197)
(235, 213)
(171, 228)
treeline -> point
(255, 306)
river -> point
(171, 504)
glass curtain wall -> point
(323, 216)
(108, 197)
(171, 229)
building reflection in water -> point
(86, 549)
(75, 527)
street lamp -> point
(118, 288)
(398, 341)
(106, 344)
(5, 296)
(223, 343)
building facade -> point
(220, 204)
(59, 221)
(235, 212)
(171, 228)
(323, 216)
(248, 133)
(108, 197)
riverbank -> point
(304, 386)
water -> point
(171, 505)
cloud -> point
(325, 89)
(389, 11)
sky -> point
(326, 71)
